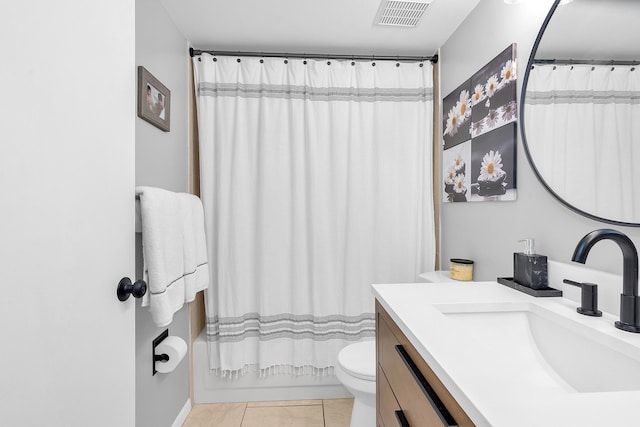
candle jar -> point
(461, 269)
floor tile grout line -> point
(324, 418)
(244, 412)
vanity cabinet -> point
(408, 393)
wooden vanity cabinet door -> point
(387, 403)
(416, 406)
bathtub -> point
(209, 388)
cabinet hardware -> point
(429, 392)
(402, 419)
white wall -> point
(161, 161)
(488, 232)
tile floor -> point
(290, 413)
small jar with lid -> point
(461, 269)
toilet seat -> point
(359, 360)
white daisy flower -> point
(508, 72)
(492, 118)
(509, 111)
(464, 106)
(452, 123)
(491, 86)
(491, 168)
(458, 184)
(477, 127)
(449, 176)
(478, 94)
(458, 163)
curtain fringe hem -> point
(233, 374)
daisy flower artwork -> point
(493, 165)
(494, 95)
(479, 134)
(456, 179)
(457, 108)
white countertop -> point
(496, 390)
(439, 276)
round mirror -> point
(580, 108)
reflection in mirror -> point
(581, 121)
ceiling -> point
(312, 26)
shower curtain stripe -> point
(293, 326)
(552, 97)
(314, 94)
(316, 181)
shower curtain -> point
(316, 183)
(585, 139)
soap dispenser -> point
(529, 268)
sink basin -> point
(542, 346)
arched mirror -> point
(580, 108)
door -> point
(67, 113)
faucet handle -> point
(588, 299)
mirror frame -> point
(523, 133)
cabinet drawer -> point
(389, 336)
(416, 398)
(387, 403)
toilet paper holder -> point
(162, 358)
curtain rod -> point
(434, 59)
(584, 62)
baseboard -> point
(182, 416)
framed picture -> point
(480, 134)
(154, 100)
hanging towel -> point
(174, 250)
(196, 269)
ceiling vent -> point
(405, 13)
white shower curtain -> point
(316, 183)
(583, 130)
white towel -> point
(195, 247)
(174, 250)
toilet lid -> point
(359, 360)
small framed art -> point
(154, 100)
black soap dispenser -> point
(529, 268)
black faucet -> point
(629, 300)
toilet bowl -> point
(356, 370)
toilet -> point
(356, 370)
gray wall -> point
(161, 161)
(488, 232)
(162, 157)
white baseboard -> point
(182, 416)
